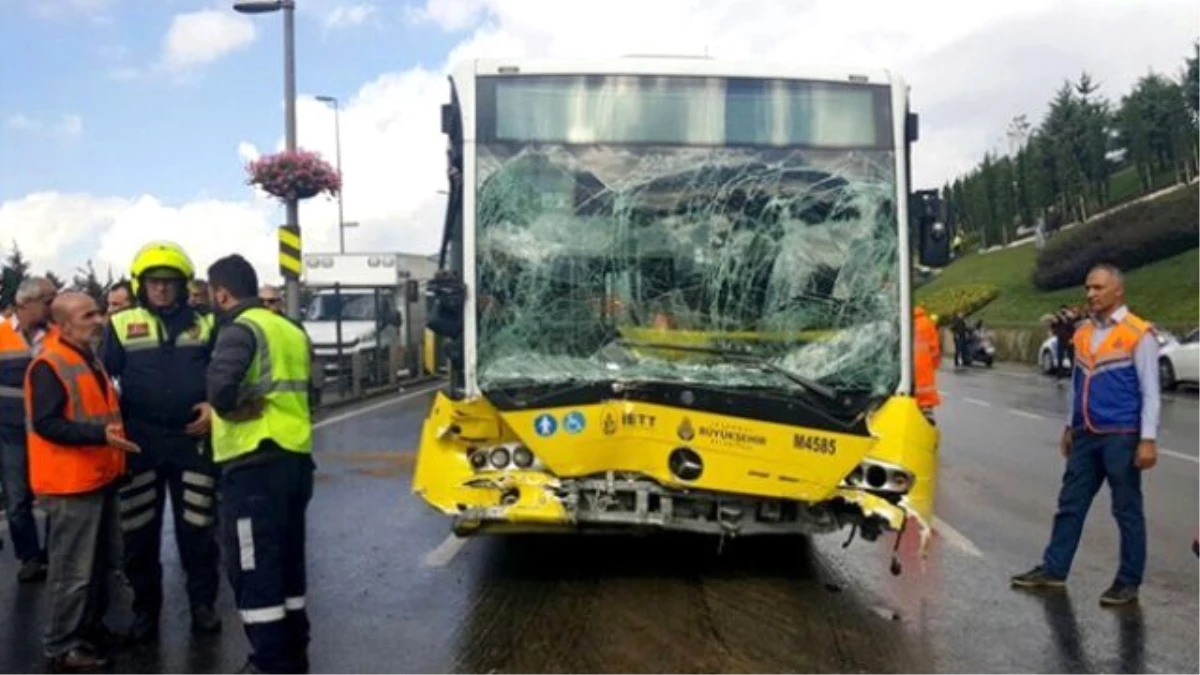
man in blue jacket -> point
(159, 351)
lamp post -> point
(292, 287)
(337, 133)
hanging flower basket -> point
(299, 174)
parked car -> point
(1179, 360)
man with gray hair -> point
(21, 337)
(1110, 434)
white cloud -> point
(68, 126)
(971, 66)
(198, 38)
(22, 122)
(348, 16)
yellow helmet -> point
(161, 255)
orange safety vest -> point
(15, 355)
(73, 469)
(927, 351)
(1107, 392)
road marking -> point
(372, 408)
(1179, 455)
(975, 401)
(441, 555)
(1029, 415)
(955, 538)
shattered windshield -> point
(351, 307)
(620, 218)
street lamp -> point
(292, 288)
(337, 133)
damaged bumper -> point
(532, 502)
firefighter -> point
(159, 350)
(927, 355)
(262, 439)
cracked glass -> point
(716, 231)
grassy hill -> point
(1166, 292)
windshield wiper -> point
(826, 393)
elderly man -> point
(271, 298)
(1111, 432)
(76, 456)
(21, 338)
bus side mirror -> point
(933, 237)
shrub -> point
(966, 299)
(1134, 236)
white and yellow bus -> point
(675, 294)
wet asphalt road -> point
(391, 592)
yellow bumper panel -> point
(742, 457)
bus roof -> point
(674, 65)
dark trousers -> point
(262, 524)
(85, 551)
(1093, 459)
(193, 506)
(14, 472)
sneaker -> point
(1038, 577)
(205, 620)
(1119, 594)
(32, 570)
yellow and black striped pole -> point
(289, 252)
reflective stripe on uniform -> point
(198, 479)
(137, 522)
(294, 604)
(11, 392)
(245, 535)
(135, 502)
(267, 383)
(140, 480)
(197, 499)
(198, 519)
(263, 615)
(69, 375)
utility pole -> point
(337, 133)
(288, 7)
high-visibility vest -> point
(278, 376)
(73, 469)
(161, 382)
(1108, 396)
(927, 352)
(15, 356)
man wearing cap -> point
(160, 349)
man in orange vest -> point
(21, 337)
(927, 356)
(76, 455)
(1111, 432)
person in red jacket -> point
(76, 456)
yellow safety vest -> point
(279, 376)
(139, 329)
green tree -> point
(85, 280)
(54, 279)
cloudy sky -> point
(123, 121)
